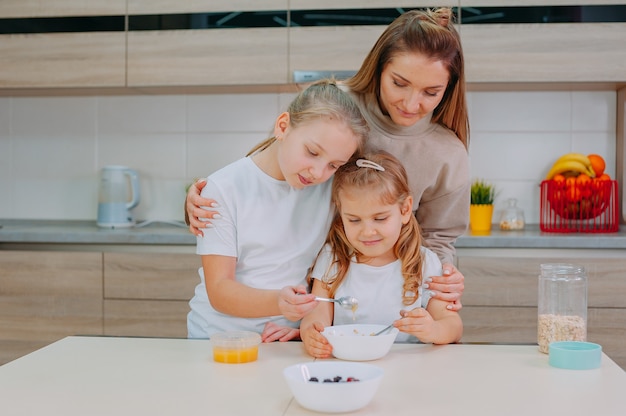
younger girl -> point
(374, 252)
(275, 210)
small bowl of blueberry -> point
(333, 386)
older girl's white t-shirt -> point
(274, 231)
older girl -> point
(275, 213)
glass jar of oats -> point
(562, 304)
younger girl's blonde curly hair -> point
(393, 188)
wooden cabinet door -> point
(333, 48)
(55, 60)
(558, 52)
(46, 296)
(251, 56)
(147, 294)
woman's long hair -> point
(430, 33)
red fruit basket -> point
(590, 207)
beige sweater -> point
(438, 168)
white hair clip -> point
(364, 163)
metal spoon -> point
(384, 330)
(346, 302)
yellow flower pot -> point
(480, 219)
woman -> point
(411, 90)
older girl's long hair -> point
(430, 33)
(323, 98)
(393, 188)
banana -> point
(567, 166)
(575, 156)
(573, 161)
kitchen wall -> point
(51, 148)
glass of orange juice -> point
(235, 347)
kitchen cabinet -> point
(202, 56)
(501, 289)
(140, 61)
(147, 294)
(45, 296)
(48, 295)
(47, 60)
(62, 58)
(330, 48)
(544, 52)
(207, 57)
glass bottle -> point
(562, 304)
(512, 217)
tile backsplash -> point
(52, 148)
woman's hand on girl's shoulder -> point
(448, 287)
(194, 212)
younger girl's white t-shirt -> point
(378, 290)
(272, 229)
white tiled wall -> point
(52, 148)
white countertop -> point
(149, 376)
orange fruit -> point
(558, 178)
(603, 177)
(597, 164)
(572, 192)
(583, 183)
(583, 179)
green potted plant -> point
(482, 195)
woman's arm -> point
(442, 220)
(312, 324)
(231, 297)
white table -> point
(147, 376)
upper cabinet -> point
(577, 41)
(196, 43)
(62, 43)
(560, 52)
(63, 60)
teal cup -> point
(575, 355)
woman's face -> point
(411, 86)
(311, 153)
